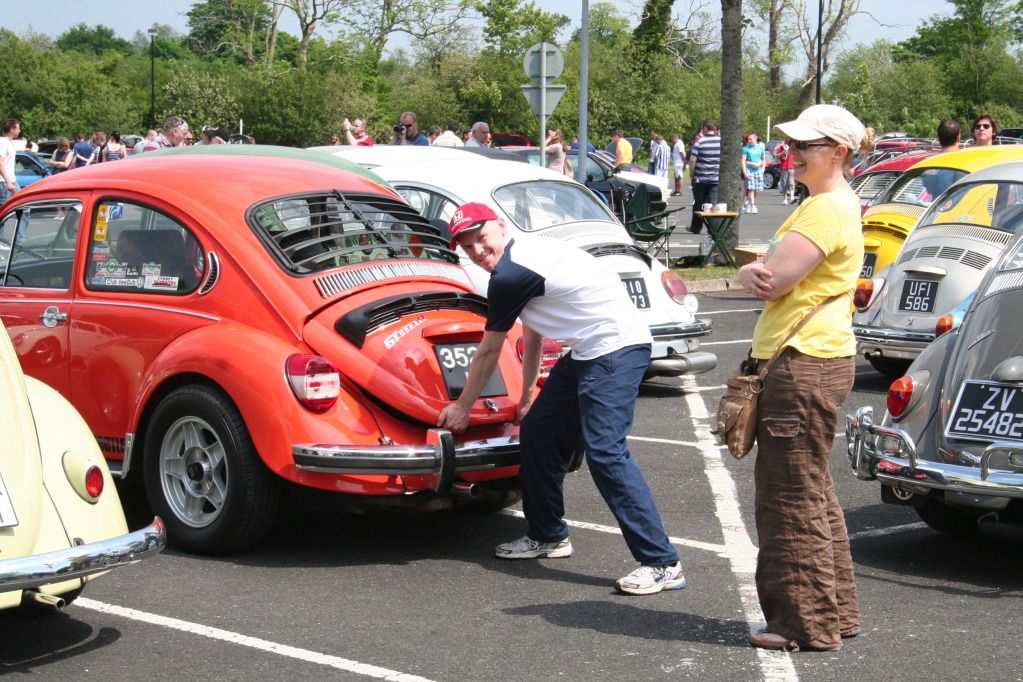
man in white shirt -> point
(12, 128)
(449, 138)
(678, 161)
(480, 135)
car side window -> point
(434, 207)
(137, 248)
(25, 167)
(37, 245)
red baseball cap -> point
(471, 216)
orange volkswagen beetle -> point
(229, 318)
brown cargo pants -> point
(804, 568)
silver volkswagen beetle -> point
(941, 263)
(951, 441)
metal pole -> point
(584, 87)
(820, 57)
(543, 104)
(152, 79)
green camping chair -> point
(648, 228)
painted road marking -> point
(725, 312)
(890, 530)
(251, 642)
(724, 343)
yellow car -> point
(61, 522)
(895, 211)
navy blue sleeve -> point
(511, 287)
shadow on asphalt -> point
(34, 638)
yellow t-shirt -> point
(832, 222)
(624, 150)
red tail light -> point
(674, 285)
(864, 292)
(314, 381)
(899, 395)
(944, 325)
(94, 481)
(550, 352)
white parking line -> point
(739, 547)
(725, 312)
(891, 530)
(251, 642)
(724, 343)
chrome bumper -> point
(890, 455)
(686, 330)
(439, 457)
(674, 350)
(893, 342)
(82, 560)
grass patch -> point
(716, 272)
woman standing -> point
(804, 568)
(98, 141)
(555, 148)
(985, 130)
(61, 159)
(753, 163)
(114, 150)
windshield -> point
(539, 204)
(920, 186)
(998, 205)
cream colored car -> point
(61, 522)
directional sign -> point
(554, 93)
(541, 55)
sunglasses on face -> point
(982, 126)
(802, 145)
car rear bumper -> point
(439, 457)
(891, 343)
(674, 351)
(82, 560)
(890, 455)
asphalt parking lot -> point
(420, 597)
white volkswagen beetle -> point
(547, 204)
(61, 522)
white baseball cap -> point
(825, 120)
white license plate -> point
(636, 286)
(8, 518)
(985, 410)
(918, 295)
(454, 360)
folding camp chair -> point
(651, 229)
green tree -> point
(95, 40)
(230, 27)
(651, 33)
(512, 26)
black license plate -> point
(869, 261)
(918, 295)
(636, 286)
(454, 360)
(987, 411)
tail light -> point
(864, 292)
(899, 395)
(678, 291)
(94, 481)
(944, 325)
(550, 352)
(314, 380)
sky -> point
(899, 19)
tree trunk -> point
(271, 35)
(774, 13)
(731, 107)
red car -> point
(230, 318)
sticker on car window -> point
(160, 283)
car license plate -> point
(454, 360)
(869, 261)
(8, 518)
(636, 286)
(985, 410)
(918, 295)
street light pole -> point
(820, 57)
(152, 75)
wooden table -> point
(721, 226)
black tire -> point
(204, 477)
(947, 520)
(893, 368)
(769, 181)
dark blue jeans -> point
(703, 193)
(594, 400)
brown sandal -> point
(769, 640)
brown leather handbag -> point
(735, 425)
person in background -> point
(8, 172)
(753, 162)
(212, 135)
(575, 144)
(81, 152)
(663, 155)
(479, 135)
(140, 145)
(985, 130)
(623, 148)
(407, 131)
(355, 132)
(99, 144)
(334, 140)
(949, 133)
(786, 181)
(173, 134)
(559, 291)
(678, 162)
(435, 132)
(554, 147)
(804, 574)
(449, 138)
(704, 171)
(114, 150)
(61, 159)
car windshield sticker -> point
(161, 282)
(101, 223)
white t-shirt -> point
(678, 154)
(8, 151)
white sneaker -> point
(785, 201)
(753, 208)
(652, 579)
(528, 548)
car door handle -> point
(52, 316)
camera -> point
(399, 129)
